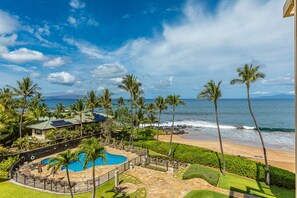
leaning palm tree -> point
(161, 105)
(79, 109)
(91, 101)
(63, 159)
(173, 101)
(213, 92)
(247, 75)
(129, 83)
(93, 150)
(26, 89)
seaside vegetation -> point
(205, 194)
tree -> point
(120, 102)
(91, 101)
(105, 101)
(63, 159)
(213, 92)
(59, 111)
(93, 150)
(129, 82)
(249, 74)
(173, 101)
(161, 105)
(26, 89)
(150, 110)
(79, 109)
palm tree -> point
(105, 101)
(120, 102)
(93, 150)
(247, 75)
(25, 89)
(63, 159)
(161, 105)
(79, 109)
(129, 83)
(173, 101)
(213, 92)
(59, 111)
(150, 110)
(91, 101)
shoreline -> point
(278, 158)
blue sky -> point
(173, 47)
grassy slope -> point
(249, 186)
(205, 194)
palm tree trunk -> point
(94, 184)
(21, 121)
(80, 119)
(170, 147)
(69, 183)
(261, 138)
(220, 138)
(132, 122)
(158, 126)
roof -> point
(56, 123)
(288, 9)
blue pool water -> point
(77, 166)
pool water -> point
(77, 166)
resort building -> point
(39, 130)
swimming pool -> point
(77, 166)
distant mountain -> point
(277, 96)
(68, 96)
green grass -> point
(155, 154)
(198, 171)
(205, 194)
(10, 190)
(249, 186)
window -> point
(38, 132)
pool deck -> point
(76, 176)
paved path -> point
(164, 185)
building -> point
(39, 130)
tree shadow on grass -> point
(174, 150)
(3, 179)
(219, 161)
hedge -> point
(234, 164)
(6, 164)
(198, 171)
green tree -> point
(59, 110)
(105, 101)
(161, 105)
(120, 102)
(249, 74)
(79, 109)
(173, 101)
(93, 150)
(26, 89)
(64, 159)
(213, 92)
(91, 101)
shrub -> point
(234, 164)
(5, 165)
(198, 171)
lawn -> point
(205, 194)
(10, 190)
(249, 186)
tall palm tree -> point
(79, 109)
(91, 101)
(26, 89)
(129, 82)
(173, 101)
(120, 102)
(93, 150)
(161, 105)
(150, 110)
(247, 75)
(213, 92)
(63, 159)
(105, 101)
(59, 111)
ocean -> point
(275, 118)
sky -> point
(69, 47)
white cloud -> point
(17, 68)
(92, 22)
(23, 55)
(165, 83)
(55, 62)
(6, 40)
(287, 79)
(77, 4)
(63, 78)
(261, 93)
(9, 23)
(110, 70)
(35, 75)
(72, 20)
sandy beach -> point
(278, 158)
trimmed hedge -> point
(5, 165)
(198, 171)
(234, 164)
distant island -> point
(276, 97)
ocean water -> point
(275, 118)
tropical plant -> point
(91, 101)
(173, 101)
(63, 160)
(59, 110)
(105, 101)
(79, 109)
(26, 89)
(249, 74)
(213, 92)
(120, 102)
(130, 84)
(93, 150)
(161, 105)
(151, 114)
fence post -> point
(87, 185)
(44, 185)
(16, 176)
(24, 180)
